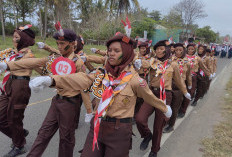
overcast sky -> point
(219, 13)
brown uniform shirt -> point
(186, 75)
(198, 64)
(214, 64)
(211, 64)
(23, 72)
(41, 62)
(51, 49)
(96, 59)
(206, 62)
(124, 102)
(172, 73)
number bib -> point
(63, 66)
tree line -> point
(100, 19)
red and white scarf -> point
(181, 66)
(7, 74)
(201, 71)
(108, 98)
(162, 81)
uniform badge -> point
(142, 82)
(126, 100)
(63, 66)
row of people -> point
(161, 78)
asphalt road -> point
(37, 110)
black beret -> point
(179, 45)
(29, 32)
(160, 43)
(69, 35)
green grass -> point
(220, 145)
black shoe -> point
(144, 144)
(168, 129)
(152, 154)
(26, 133)
(181, 115)
(194, 103)
(15, 152)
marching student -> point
(181, 60)
(202, 77)
(65, 106)
(13, 101)
(111, 129)
(162, 72)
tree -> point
(190, 11)
(2, 20)
(138, 27)
(155, 15)
(207, 34)
(121, 5)
(25, 8)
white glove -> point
(211, 77)
(189, 87)
(88, 117)
(188, 96)
(83, 58)
(214, 74)
(93, 50)
(3, 67)
(168, 114)
(39, 83)
(138, 64)
(40, 45)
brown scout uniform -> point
(116, 129)
(214, 64)
(177, 95)
(202, 81)
(62, 115)
(85, 97)
(143, 73)
(197, 64)
(13, 102)
(172, 72)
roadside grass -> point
(220, 145)
(42, 53)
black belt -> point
(19, 77)
(70, 99)
(158, 89)
(122, 120)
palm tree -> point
(121, 5)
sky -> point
(219, 13)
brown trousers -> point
(186, 101)
(12, 107)
(177, 99)
(114, 140)
(202, 83)
(62, 115)
(159, 122)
